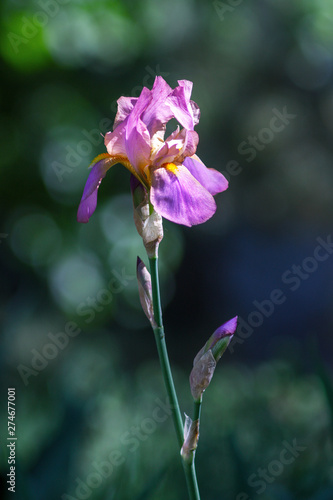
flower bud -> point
(145, 291)
(201, 374)
(204, 363)
(191, 437)
(149, 223)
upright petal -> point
(195, 112)
(187, 87)
(176, 147)
(88, 203)
(185, 111)
(125, 106)
(137, 138)
(115, 141)
(179, 197)
(209, 178)
(158, 112)
(193, 107)
(190, 143)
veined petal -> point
(125, 106)
(179, 197)
(195, 112)
(137, 138)
(209, 178)
(185, 111)
(158, 113)
(99, 167)
(138, 147)
(115, 141)
(194, 108)
(187, 86)
(176, 147)
(190, 143)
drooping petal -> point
(88, 202)
(158, 112)
(209, 178)
(125, 106)
(179, 197)
(137, 138)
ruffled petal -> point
(179, 197)
(209, 178)
(185, 111)
(193, 107)
(88, 202)
(158, 113)
(170, 148)
(125, 106)
(190, 143)
(176, 147)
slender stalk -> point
(163, 353)
(191, 481)
(189, 468)
(197, 409)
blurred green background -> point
(90, 404)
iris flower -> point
(180, 186)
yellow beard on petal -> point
(123, 160)
(171, 167)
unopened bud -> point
(149, 223)
(145, 291)
(201, 374)
(191, 437)
(204, 363)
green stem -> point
(163, 353)
(189, 468)
(197, 409)
(191, 481)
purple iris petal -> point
(210, 178)
(224, 330)
(138, 147)
(167, 153)
(158, 113)
(115, 141)
(137, 136)
(191, 140)
(185, 112)
(179, 197)
(125, 106)
(176, 147)
(89, 198)
(187, 87)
